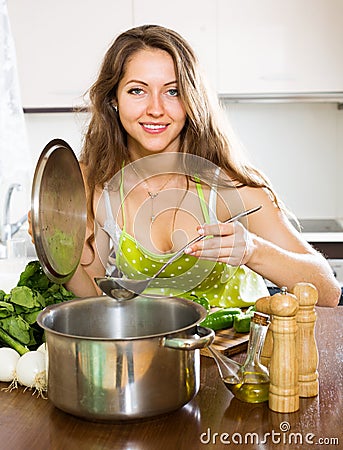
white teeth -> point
(153, 127)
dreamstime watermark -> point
(283, 437)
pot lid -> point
(58, 211)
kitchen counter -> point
(323, 237)
(28, 422)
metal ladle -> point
(127, 288)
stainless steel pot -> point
(127, 360)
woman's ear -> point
(114, 105)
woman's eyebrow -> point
(170, 82)
(146, 84)
(136, 81)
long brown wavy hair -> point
(206, 133)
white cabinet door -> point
(60, 44)
(195, 20)
(273, 46)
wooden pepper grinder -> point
(307, 296)
(283, 369)
(263, 305)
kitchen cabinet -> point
(60, 45)
(276, 46)
(195, 20)
(247, 47)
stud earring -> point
(115, 107)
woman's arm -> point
(269, 245)
(92, 265)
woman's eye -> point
(136, 91)
(173, 92)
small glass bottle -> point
(251, 383)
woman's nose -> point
(155, 106)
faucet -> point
(9, 229)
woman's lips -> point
(154, 128)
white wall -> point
(42, 128)
(298, 145)
(300, 148)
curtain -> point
(15, 159)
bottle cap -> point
(260, 318)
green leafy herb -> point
(19, 309)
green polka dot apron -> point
(223, 285)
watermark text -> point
(284, 437)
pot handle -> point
(204, 338)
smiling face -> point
(149, 105)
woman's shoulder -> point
(252, 195)
(234, 200)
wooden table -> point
(28, 422)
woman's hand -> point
(230, 243)
(30, 226)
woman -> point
(159, 169)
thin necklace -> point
(152, 195)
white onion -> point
(42, 348)
(8, 362)
(30, 371)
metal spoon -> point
(127, 288)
